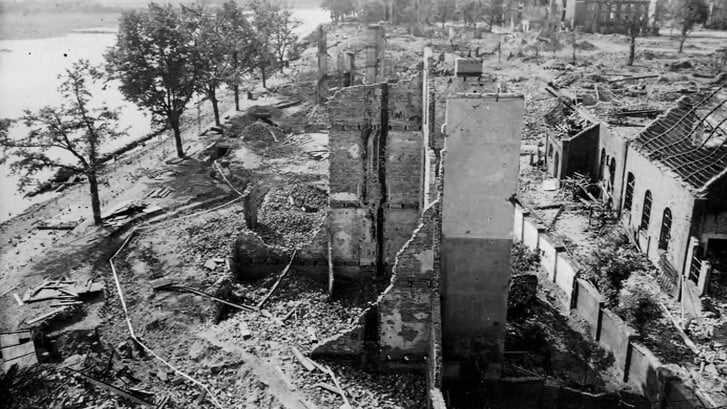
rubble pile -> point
(290, 215)
(299, 315)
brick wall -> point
(405, 307)
(666, 191)
(376, 146)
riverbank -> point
(26, 26)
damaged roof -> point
(691, 138)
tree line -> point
(164, 55)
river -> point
(29, 71)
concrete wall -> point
(615, 336)
(666, 191)
(483, 142)
(588, 303)
(636, 363)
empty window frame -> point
(646, 211)
(629, 194)
(665, 233)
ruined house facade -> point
(607, 16)
(666, 182)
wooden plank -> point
(277, 282)
(114, 389)
(16, 351)
(317, 365)
(338, 385)
(18, 300)
(45, 316)
(45, 294)
(328, 387)
(302, 359)
(8, 340)
(22, 362)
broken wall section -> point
(406, 317)
(375, 144)
(405, 308)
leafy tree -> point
(636, 24)
(611, 263)
(154, 58)
(445, 10)
(373, 11)
(284, 36)
(522, 259)
(242, 45)
(223, 49)
(687, 14)
(209, 52)
(275, 28)
(638, 306)
(339, 8)
(65, 137)
(473, 12)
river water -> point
(29, 71)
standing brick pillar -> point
(375, 54)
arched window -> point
(602, 163)
(629, 194)
(665, 234)
(646, 212)
(612, 173)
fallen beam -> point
(113, 389)
(277, 282)
(642, 77)
(45, 316)
(302, 359)
(338, 385)
(328, 387)
(181, 288)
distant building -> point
(606, 16)
(717, 15)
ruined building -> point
(431, 217)
(666, 181)
(606, 16)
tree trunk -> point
(262, 71)
(174, 122)
(236, 86)
(632, 50)
(681, 42)
(95, 202)
(212, 95)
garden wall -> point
(636, 363)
